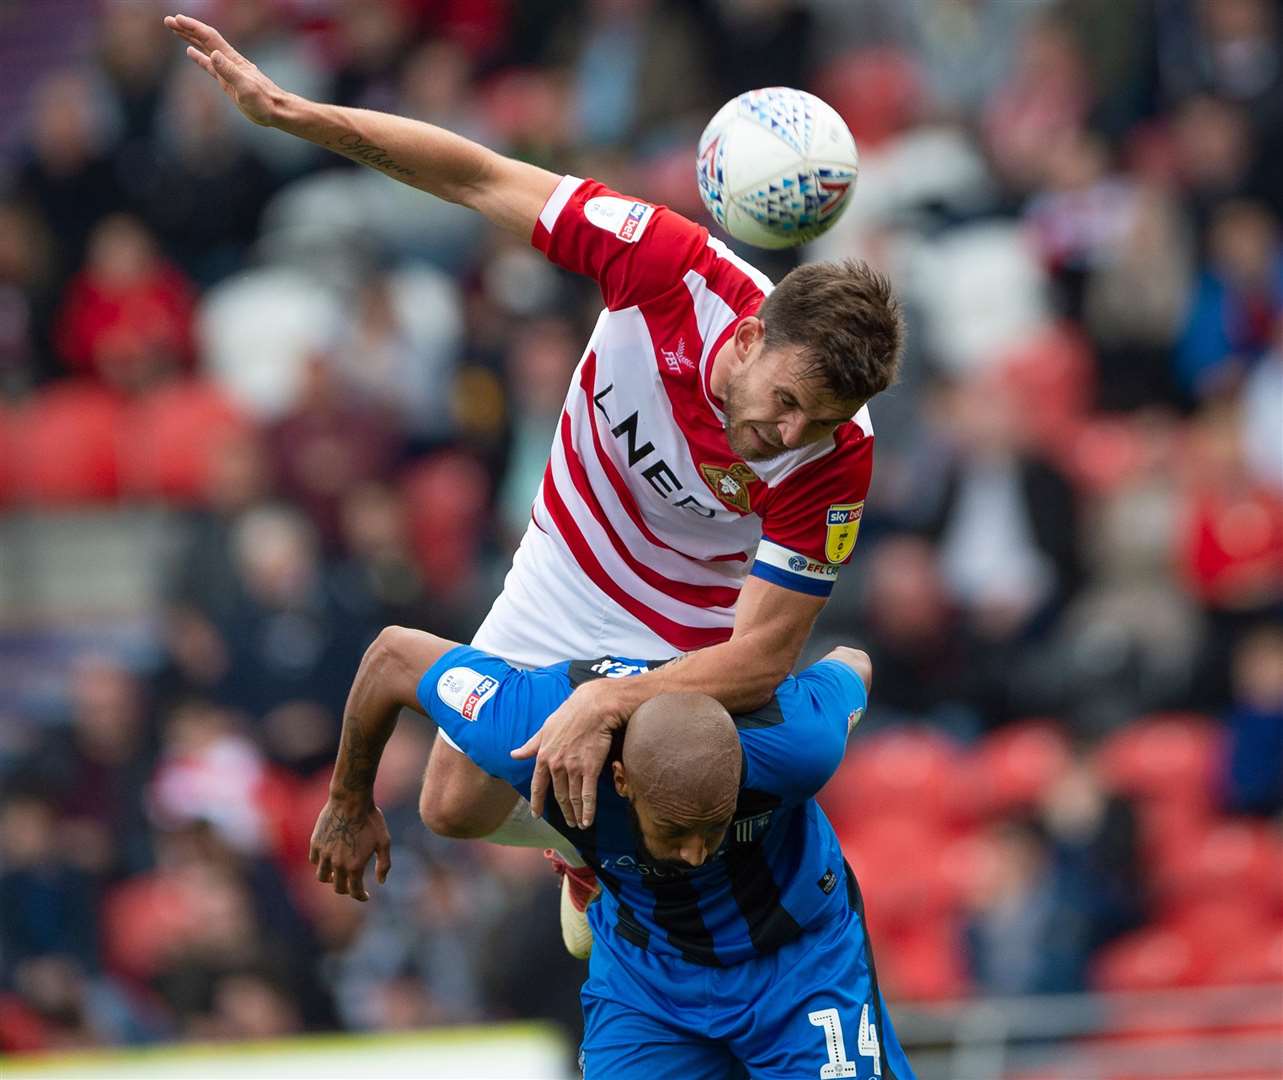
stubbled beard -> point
(737, 431)
(675, 866)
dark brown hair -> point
(846, 319)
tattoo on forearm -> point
(368, 154)
(342, 830)
(360, 756)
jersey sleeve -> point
(487, 708)
(634, 249)
(812, 518)
(795, 758)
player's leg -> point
(623, 1043)
(819, 1012)
(459, 799)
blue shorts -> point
(789, 1015)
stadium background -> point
(256, 403)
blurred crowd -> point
(338, 394)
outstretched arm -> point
(510, 193)
(350, 827)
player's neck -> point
(719, 374)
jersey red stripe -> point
(626, 500)
(676, 634)
(695, 595)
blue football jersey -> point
(779, 871)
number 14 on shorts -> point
(839, 1065)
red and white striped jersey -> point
(642, 492)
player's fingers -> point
(356, 884)
(340, 880)
(588, 801)
(538, 789)
(530, 747)
(313, 854)
(202, 33)
(325, 870)
(201, 59)
(561, 790)
(382, 861)
(223, 65)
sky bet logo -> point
(480, 694)
(844, 515)
(628, 230)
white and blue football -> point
(776, 167)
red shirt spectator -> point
(127, 317)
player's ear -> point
(748, 333)
(620, 777)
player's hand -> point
(347, 833)
(254, 93)
(572, 747)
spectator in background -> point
(27, 300)
(329, 443)
(134, 64)
(291, 636)
(1253, 779)
(1235, 302)
(1095, 850)
(68, 176)
(1024, 934)
(196, 184)
(1046, 96)
(399, 352)
(1263, 416)
(1006, 523)
(1231, 545)
(539, 362)
(97, 773)
(1080, 213)
(1134, 303)
(127, 316)
(48, 899)
(636, 65)
(916, 639)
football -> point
(776, 167)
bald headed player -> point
(729, 938)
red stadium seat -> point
(68, 445)
(918, 773)
(1169, 756)
(1014, 766)
(896, 859)
(921, 963)
(1230, 858)
(1155, 958)
(1257, 959)
(171, 437)
(8, 454)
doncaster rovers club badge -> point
(843, 521)
(730, 485)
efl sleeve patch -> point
(782, 566)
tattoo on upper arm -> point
(353, 146)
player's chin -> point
(749, 445)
